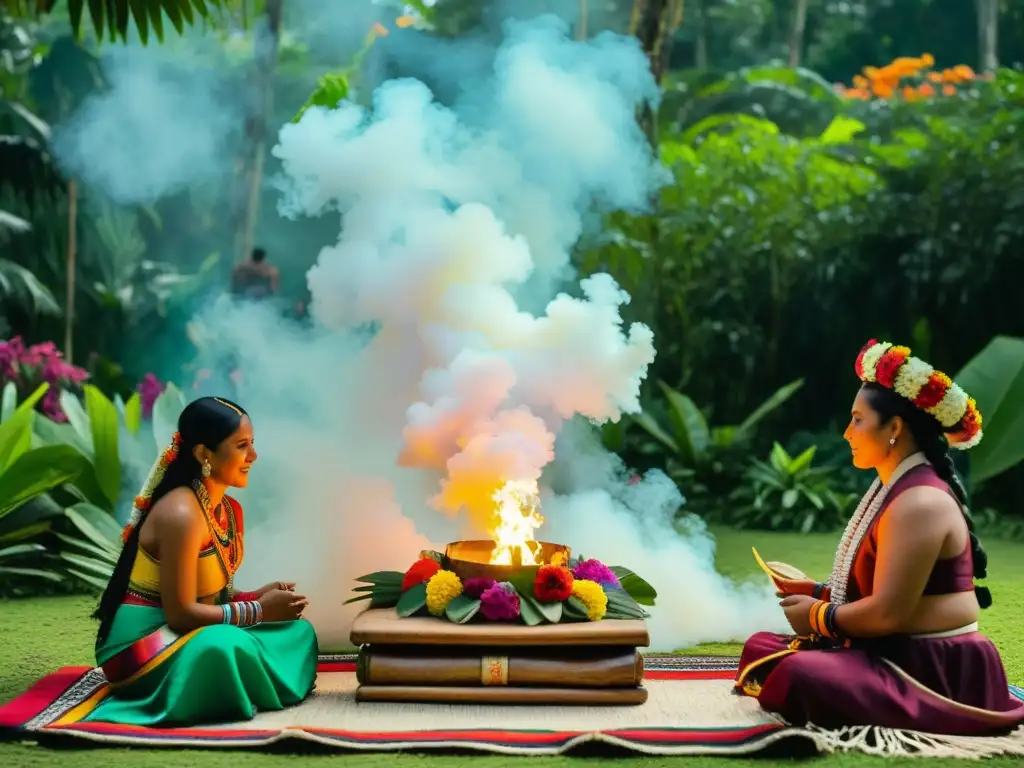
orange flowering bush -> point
(910, 79)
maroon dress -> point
(947, 683)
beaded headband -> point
(929, 390)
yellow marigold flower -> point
(859, 81)
(949, 90)
(592, 595)
(928, 60)
(964, 72)
(443, 587)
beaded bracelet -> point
(250, 613)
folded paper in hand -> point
(779, 571)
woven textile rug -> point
(691, 710)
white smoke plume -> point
(451, 353)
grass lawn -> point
(39, 635)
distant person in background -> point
(255, 278)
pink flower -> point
(150, 388)
(50, 406)
(10, 354)
(595, 570)
(32, 366)
(500, 602)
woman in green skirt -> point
(177, 644)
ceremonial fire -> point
(518, 516)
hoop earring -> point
(206, 468)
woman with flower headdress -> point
(891, 639)
(177, 643)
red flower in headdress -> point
(858, 365)
(889, 365)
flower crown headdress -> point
(929, 390)
(156, 474)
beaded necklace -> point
(223, 536)
(859, 525)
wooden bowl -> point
(471, 560)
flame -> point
(517, 511)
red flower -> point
(933, 391)
(890, 365)
(553, 584)
(858, 366)
(420, 571)
(970, 422)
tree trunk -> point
(251, 171)
(581, 25)
(70, 269)
(988, 34)
(654, 23)
(796, 32)
(700, 48)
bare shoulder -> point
(922, 506)
(178, 512)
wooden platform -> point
(423, 659)
(383, 626)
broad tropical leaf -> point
(16, 431)
(995, 379)
(133, 413)
(96, 525)
(691, 429)
(777, 398)
(103, 423)
(38, 471)
(166, 409)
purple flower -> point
(476, 586)
(50, 406)
(500, 602)
(595, 570)
(150, 388)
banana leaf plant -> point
(995, 379)
(91, 552)
(690, 440)
(90, 547)
(27, 475)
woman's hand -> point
(798, 613)
(282, 605)
(287, 586)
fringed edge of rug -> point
(890, 742)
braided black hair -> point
(207, 421)
(928, 435)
